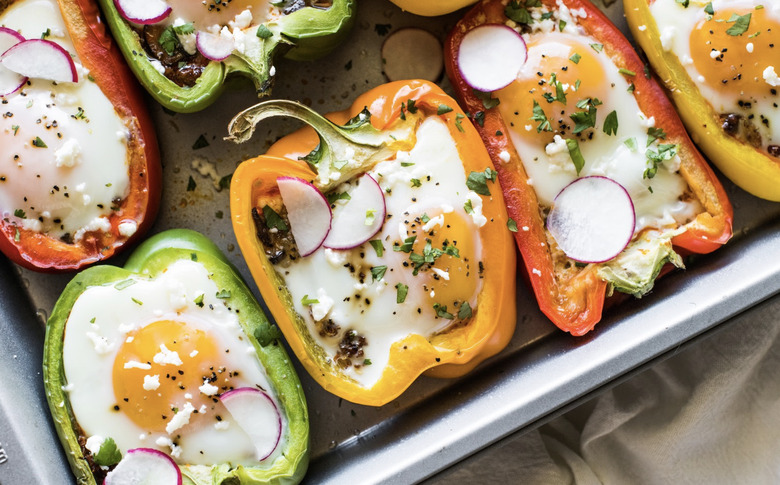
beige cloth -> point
(708, 415)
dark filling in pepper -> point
(272, 230)
(97, 472)
(350, 347)
(162, 43)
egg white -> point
(69, 186)
(324, 275)
(99, 324)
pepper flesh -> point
(448, 354)
(99, 54)
(576, 305)
(750, 168)
(304, 34)
(432, 8)
(152, 258)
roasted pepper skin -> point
(751, 169)
(152, 258)
(577, 306)
(449, 354)
(305, 34)
(432, 8)
(99, 54)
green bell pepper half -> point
(150, 259)
(306, 34)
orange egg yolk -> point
(449, 248)
(725, 60)
(571, 63)
(151, 409)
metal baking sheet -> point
(435, 423)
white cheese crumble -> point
(96, 224)
(101, 344)
(163, 441)
(667, 37)
(208, 389)
(167, 357)
(536, 272)
(180, 419)
(158, 66)
(134, 364)
(127, 228)
(323, 306)
(242, 20)
(68, 154)
(151, 383)
(94, 443)
(221, 425)
(188, 41)
(504, 156)
(771, 77)
(749, 47)
(193, 353)
(476, 206)
(442, 274)
(337, 259)
(559, 158)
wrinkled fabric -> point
(709, 414)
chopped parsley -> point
(654, 134)
(273, 220)
(223, 294)
(378, 247)
(308, 301)
(39, 143)
(264, 32)
(441, 311)
(741, 24)
(575, 154)
(575, 58)
(464, 311)
(334, 196)
(611, 123)
(511, 225)
(401, 291)
(124, 284)
(370, 216)
(477, 181)
(108, 454)
(20, 213)
(406, 247)
(199, 300)
(538, 115)
(597, 47)
(442, 109)
(378, 272)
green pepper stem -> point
(343, 152)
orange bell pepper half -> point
(396, 110)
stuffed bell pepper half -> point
(183, 50)
(167, 371)
(720, 62)
(600, 178)
(378, 239)
(79, 163)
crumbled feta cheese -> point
(242, 20)
(715, 53)
(175, 450)
(504, 156)
(167, 357)
(151, 383)
(476, 206)
(96, 224)
(771, 77)
(68, 154)
(66, 388)
(208, 389)
(433, 222)
(180, 419)
(442, 274)
(188, 41)
(559, 158)
(337, 259)
(158, 66)
(134, 364)
(536, 272)
(272, 71)
(127, 228)
(193, 353)
(667, 37)
(32, 225)
(642, 28)
(221, 425)
(646, 122)
(321, 309)
(749, 47)
(101, 344)
(94, 443)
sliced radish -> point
(592, 219)
(41, 59)
(308, 212)
(144, 466)
(412, 53)
(10, 82)
(256, 413)
(490, 56)
(143, 12)
(216, 47)
(360, 218)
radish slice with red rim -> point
(10, 82)
(491, 56)
(256, 413)
(144, 465)
(143, 12)
(360, 218)
(308, 212)
(592, 219)
(216, 47)
(40, 59)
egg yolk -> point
(176, 356)
(449, 248)
(734, 62)
(560, 72)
